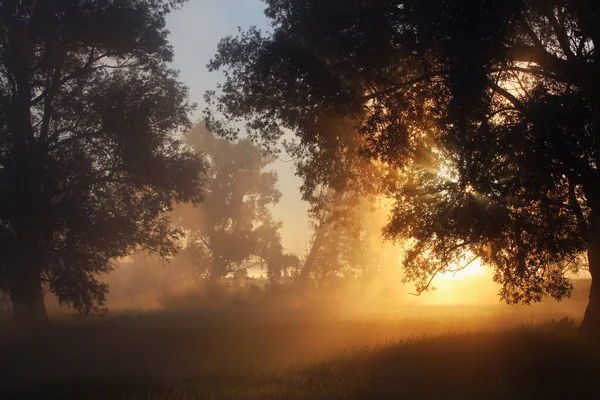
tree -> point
(233, 229)
(350, 246)
(339, 185)
(490, 110)
(90, 160)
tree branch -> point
(561, 35)
(424, 288)
(49, 99)
(508, 96)
(581, 221)
(530, 32)
(528, 70)
(463, 267)
(86, 68)
(402, 85)
(563, 70)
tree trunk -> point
(218, 270)
(309, 264)
(27, 298)
(27, 294)
(590, 326)
(26, 173)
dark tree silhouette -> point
(89, 157)
(233, 229)
(490, 109)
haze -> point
(300, 199)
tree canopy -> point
(90, 152)
(488, 112)
(233, 229)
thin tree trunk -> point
(590, 326)
(309, 264)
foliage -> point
(342, 189)
(233, 229)
(90, 160)
(349, 241)
(488, 110)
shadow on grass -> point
(547, 362)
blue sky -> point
(195, 32)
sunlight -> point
(469, 189)
(474, 269)
(447, 171)
(471, 285)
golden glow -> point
(474, 269)
(471, 285)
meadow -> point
(249, 352)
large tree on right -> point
(490, 109)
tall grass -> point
(425, 353)
(542, 362)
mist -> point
(356, 272)
(299, 199)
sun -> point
(471, 285)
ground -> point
(429, 353)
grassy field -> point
(427, 353)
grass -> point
(524, 363)
(175, 357)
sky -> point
(196, 29)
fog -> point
(163, 326)
(156, 285)
(231, 299)
(230, 256)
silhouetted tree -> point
(490, 109)
(89, 159)
(339, 185)
(233, 229)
